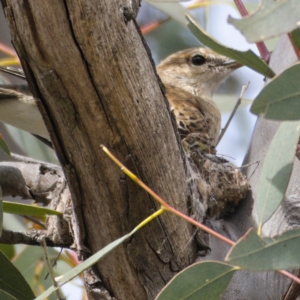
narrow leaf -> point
(3, 145)
(8, 251)
(280, 99)
(30, 262)
(273, 18)
(6, 296)
(1, 215)
(173, 10)
(276, 170)
(30, 210)
(205, 280)
(12, 282)
(86, 264)
(247, 58)
(296, 37)
(255, 254)
(1, 212)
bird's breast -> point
(194, 115)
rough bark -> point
(32, 238)
(94, 80)
(43, 183)
(31, 179)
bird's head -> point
(197, 70)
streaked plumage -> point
(196, 118)
(191, 77)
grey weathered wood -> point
(95, 83)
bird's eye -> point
(198, 60)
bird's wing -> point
(194, 116)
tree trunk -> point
(95, 83)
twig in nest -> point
(238, 103)
(36, 221)
(50, 270)
(55, 261)
(257, 164)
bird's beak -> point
(232, 64)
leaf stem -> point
(263, 51)
(167, 207)
(161, 201)
(241, 7)
(150, 218)
(9, 61)
(289, 275)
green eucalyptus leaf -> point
(1, 212)
(265, 254)
(6, 296)
(12, 282)
(247, 58)
(8, 251)
(31, 145)
(280, 98)
(296, 37)
(171, 8)
(29, 260)
(273, 18)
(84, 265)
(205, 280)
(1, 215)
(3, 145)
(276, 170)
(30, 210)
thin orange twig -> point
(7, 50)
(263, 51)
(178, 213)
(161, 201)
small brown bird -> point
(191, 77)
